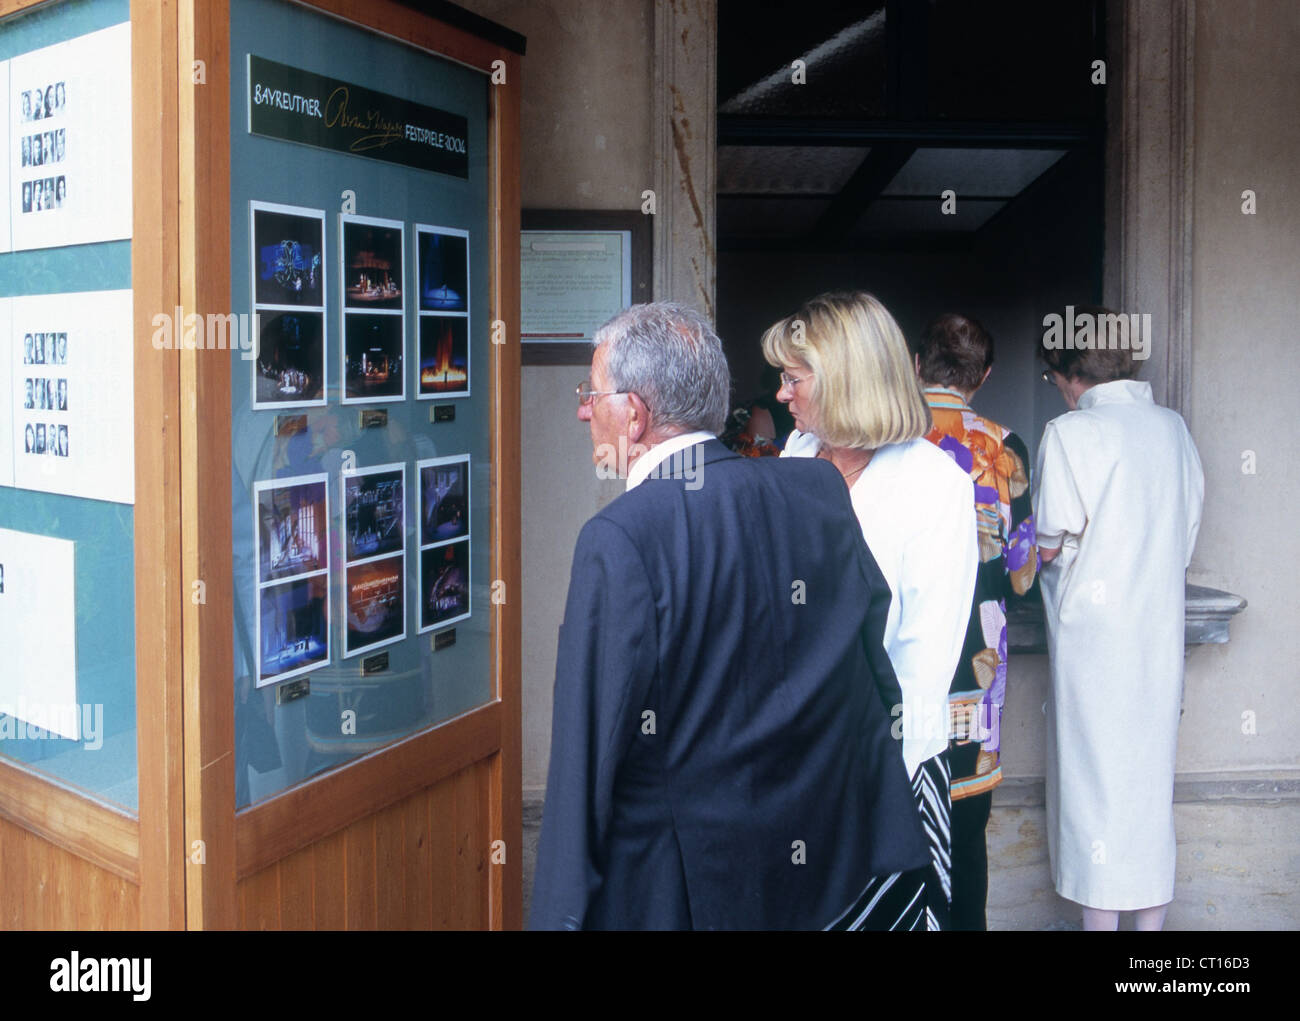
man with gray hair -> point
(720, 755)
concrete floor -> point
(1238, 867)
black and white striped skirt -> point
(919, 899)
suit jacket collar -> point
(689, 460)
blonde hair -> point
(865, 393)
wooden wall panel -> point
(259, 900)
(423, 862)
(328, 879)
(46, 887)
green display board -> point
(102, 763)
(361, 526)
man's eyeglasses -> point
(586, 394)
(790, 381)
(1047, 377)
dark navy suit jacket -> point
(720, 750)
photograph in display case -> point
(444, 585)
(293, 628)
(376, 604)
(372, 263)
(442, 339)
(288, 256)
(443, 268)
(372, 358)
(444, 356)
(444, 500)
(374, 511)
(292, 527)
(289, 367)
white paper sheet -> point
(73, 395)
(69, 109)
(38, 615)
(4, 171)
(6, 399)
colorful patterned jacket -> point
(995, 458)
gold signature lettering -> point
(380, 131)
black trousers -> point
(970, 859)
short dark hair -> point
(955, 351)
(1094, 364)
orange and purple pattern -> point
(995, 459)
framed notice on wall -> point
(577, 269)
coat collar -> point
(1117, 391)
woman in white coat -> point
(851, 387)
(1117, 510)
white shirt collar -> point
(660, 452)
(1115, 391)
(800, 444)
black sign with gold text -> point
(298, 106)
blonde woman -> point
(850, 384)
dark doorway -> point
(946, 155)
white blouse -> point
(917, 511)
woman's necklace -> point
(855, 471)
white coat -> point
(1119, 493)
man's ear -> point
(638, 418)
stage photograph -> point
(444, 585)
(289, 370)
(374, 511)
(444, 356)
(372, 263)
(293, 628)
(372, 358)
(292, 527)
(444, 500)
(288, 255)
(376, 604)
(443, 256)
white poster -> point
(6, 399)
(69, 111)
(4, 173)
(72, 387)
(38, 617)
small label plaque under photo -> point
(376, 664)
(442, 413)
(290, 425)
(444, 639)
(292, 690)
(374, 418)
